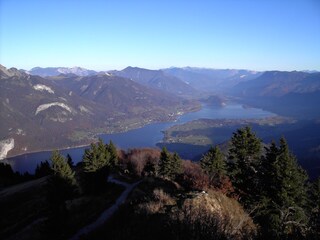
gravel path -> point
(108, 212)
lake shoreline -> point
(148, 135)
(46, 150)
(173, 118)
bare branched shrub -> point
(192, 177)
(135, 161)
(223, 184)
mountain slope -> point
(37, 114)
(157, 79)
(295, 94)
(123, 95)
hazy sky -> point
(104, 35)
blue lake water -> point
(147, 136)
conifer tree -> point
(62, 185)
(61, 168)
(7, 176)
(96, 157)
(70, 161)
(169, 165)
(283, 198)
(165, 163)
(96, 165)
(269, 170)
(244, 156)
(213, 162)
(111, 148)
(314, 222)
(293, 178)
(176, 164)
(43, 169)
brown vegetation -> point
(134, 161)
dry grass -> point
(214, 215)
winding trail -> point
(108, 212)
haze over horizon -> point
(106, 35)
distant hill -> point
(55, 71)
(38, 114)
(157, 79)
(211, 80)
(295, 94)
(121, 94)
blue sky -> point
(104, 35)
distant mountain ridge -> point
(156, 79)
(279, 83)
(211, 80)
(295, 94)
(55, 71)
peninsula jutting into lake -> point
(161, 120)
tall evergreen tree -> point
(165, 163)
(213, 162)
(293, 178)
(244, 156)
(62, 185)
(43, 169)
(283, 198)
(176, 164)
(96, 157)
(111, 148)
(7, 176)
(70, 161)
(169, 165)
(96, 165)
(314, 222)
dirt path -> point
(108, 212)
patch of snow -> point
(242, 76)
(48, 105)
(5, 146)
(41, 87)
(60, 119)
(70, 93)
(7, 100)
(84, 87)
(84, 109)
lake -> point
(147, 136)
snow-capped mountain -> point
(55, 71)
